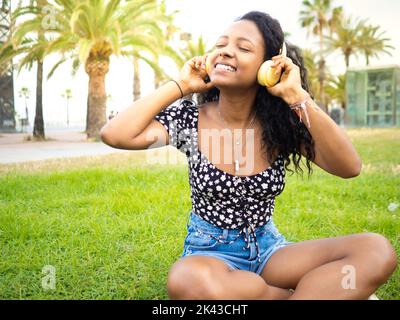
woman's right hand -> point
(192, 76)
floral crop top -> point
(222, 199)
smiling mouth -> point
(224, 67)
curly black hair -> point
(282, 131)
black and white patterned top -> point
(224, 200)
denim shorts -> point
(236, 255)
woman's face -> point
(241, 46)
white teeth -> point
(224, 67)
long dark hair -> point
(282, 131)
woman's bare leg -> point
(349, 267)
(203, 277)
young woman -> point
(233, 250)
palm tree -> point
(336, 90)
(159, 74)
(171, 30)
(346, 38)
(312, 74)
(317, 16)
(187, 51)
(38, 127)
(89, 32)
(13, 48)
(310, 63)
(371, 42)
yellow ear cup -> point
(266, 74)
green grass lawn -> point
(112, 227)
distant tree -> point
(318, 16)
(336, 90)
(87, 32)
(346, 38)
(372, 42)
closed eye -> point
(221, 45)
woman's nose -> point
(226, 52)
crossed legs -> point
(316, 269)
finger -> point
(288, 59)
(289, 63)
(278, 70)
(195, 62)
(279, 56)
(275, 63)
(192, 63)
(286, 65)
(283, 60)
(203, 62)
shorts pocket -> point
(201, 241)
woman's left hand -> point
(289, 87)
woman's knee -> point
(383, 255)
(191, 280)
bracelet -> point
(178, 87)
(301, 105)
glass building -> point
(373, 97)
(7, 114)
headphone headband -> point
(283, 50)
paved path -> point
(63, 144)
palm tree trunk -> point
(97, 70)
(157, 77)
(87, 115)
(136, 79)
(367, 58)
(347, 59)
(38, 128)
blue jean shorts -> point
(236, 255)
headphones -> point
(266, 74)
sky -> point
(208, 18)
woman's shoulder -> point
(191, 110)
(187, 112)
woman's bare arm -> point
(135, 128)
